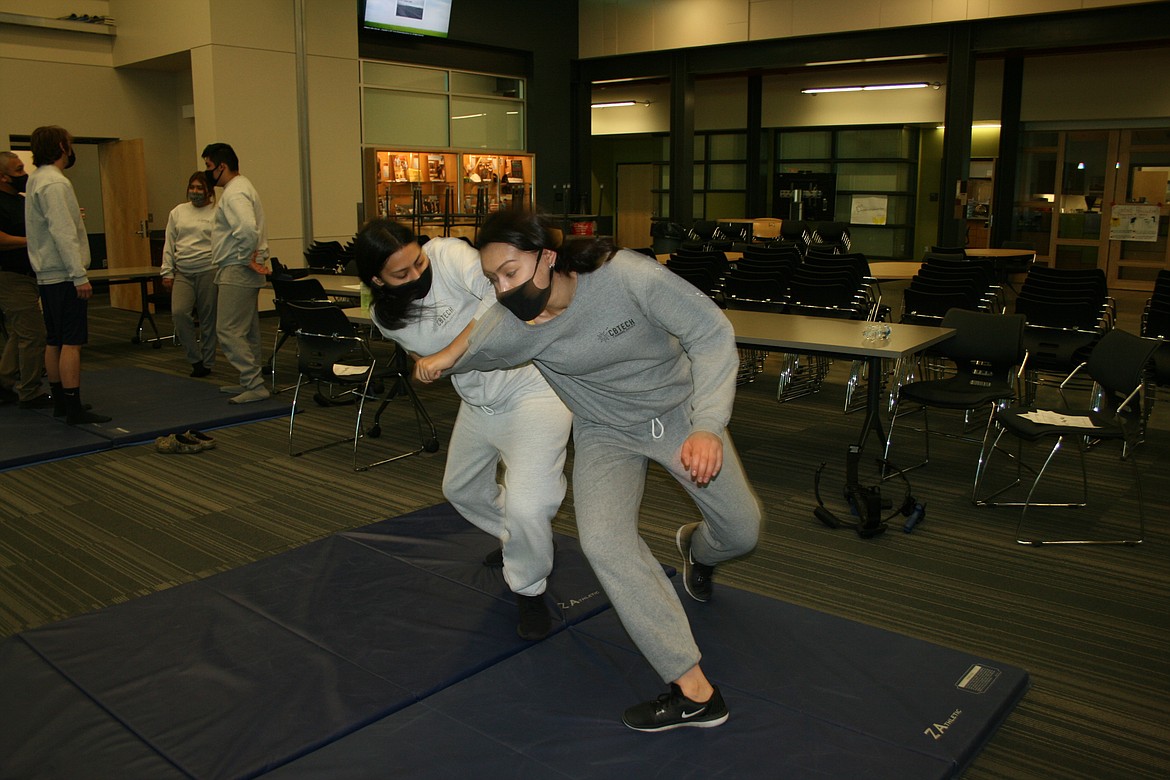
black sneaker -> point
(535, 622)
(42, 401)
(697, 577)
(674, 710)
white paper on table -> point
(340, 369)
(1046, 417)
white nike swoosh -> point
(699, 711)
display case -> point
(439, 191)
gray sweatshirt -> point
(58, 248)
(636, 341)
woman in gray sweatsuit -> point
(647, 365)
(424, 296)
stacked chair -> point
(759, 279)
(796, 232)
(834, 235)
(943, 283)
(328, 257)
(1156, 325)
(705, 269)
(285, 291)
(1067, 312)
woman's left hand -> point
(702, 455)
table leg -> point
(873, 403)
(145, 315)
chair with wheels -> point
(332, 356)
(1118, 368)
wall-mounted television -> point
(414, 17)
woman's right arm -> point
(429, 368)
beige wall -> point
(609, 27)
(182, 75)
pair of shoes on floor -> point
(205, 442)
(697, 577)
(199, 370)
(674, 710)
(257, 393)
(178, 444)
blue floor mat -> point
(143, 405)
(391, 651)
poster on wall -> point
(1133, 222)
(868, 210)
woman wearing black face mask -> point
(189, 274)
(647, 365)
(424, 297)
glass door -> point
(1142, 171)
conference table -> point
(142, 275)
(828, 336)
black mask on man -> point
(18, 183)
(72, 158)
(212, 179)
(527, 301)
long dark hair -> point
(531, 231)
(377, 240)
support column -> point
(757, 177)
(1004, 194)
(682, 141)
(956, 157)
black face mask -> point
(18, 183)
(72, 158)
(412, 291)
(527, 301)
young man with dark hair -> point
(58, 251)
(239, 241)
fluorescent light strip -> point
(869, 59)
(866, 88)
(614, 104)
(468, 116)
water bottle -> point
(366, 296)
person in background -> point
(23, 360)
(423, 297)
(239, 237)
(188, 273)
(647, 365)
(58, 250)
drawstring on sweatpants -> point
(656, 429)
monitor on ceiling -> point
(413, 17)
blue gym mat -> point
(143, 405)
(391, 651)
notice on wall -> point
(868, 210)
(1133, 222)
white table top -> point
(801, 333)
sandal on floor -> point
(205, 442)
(177, 444)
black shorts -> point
(66, 315)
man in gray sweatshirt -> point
(58, 251)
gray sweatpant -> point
(609, 479)
(195, 292)
(529, 436)
(238, 321)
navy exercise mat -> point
(235, 674)
(811, 696)
(32, 436)
(143, 405)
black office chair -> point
(988, 354)
(284, 289)
(1118, 367)
(332, 355)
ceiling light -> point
(869, 59)
(468, 116)
(620, 103)
(872, 87)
